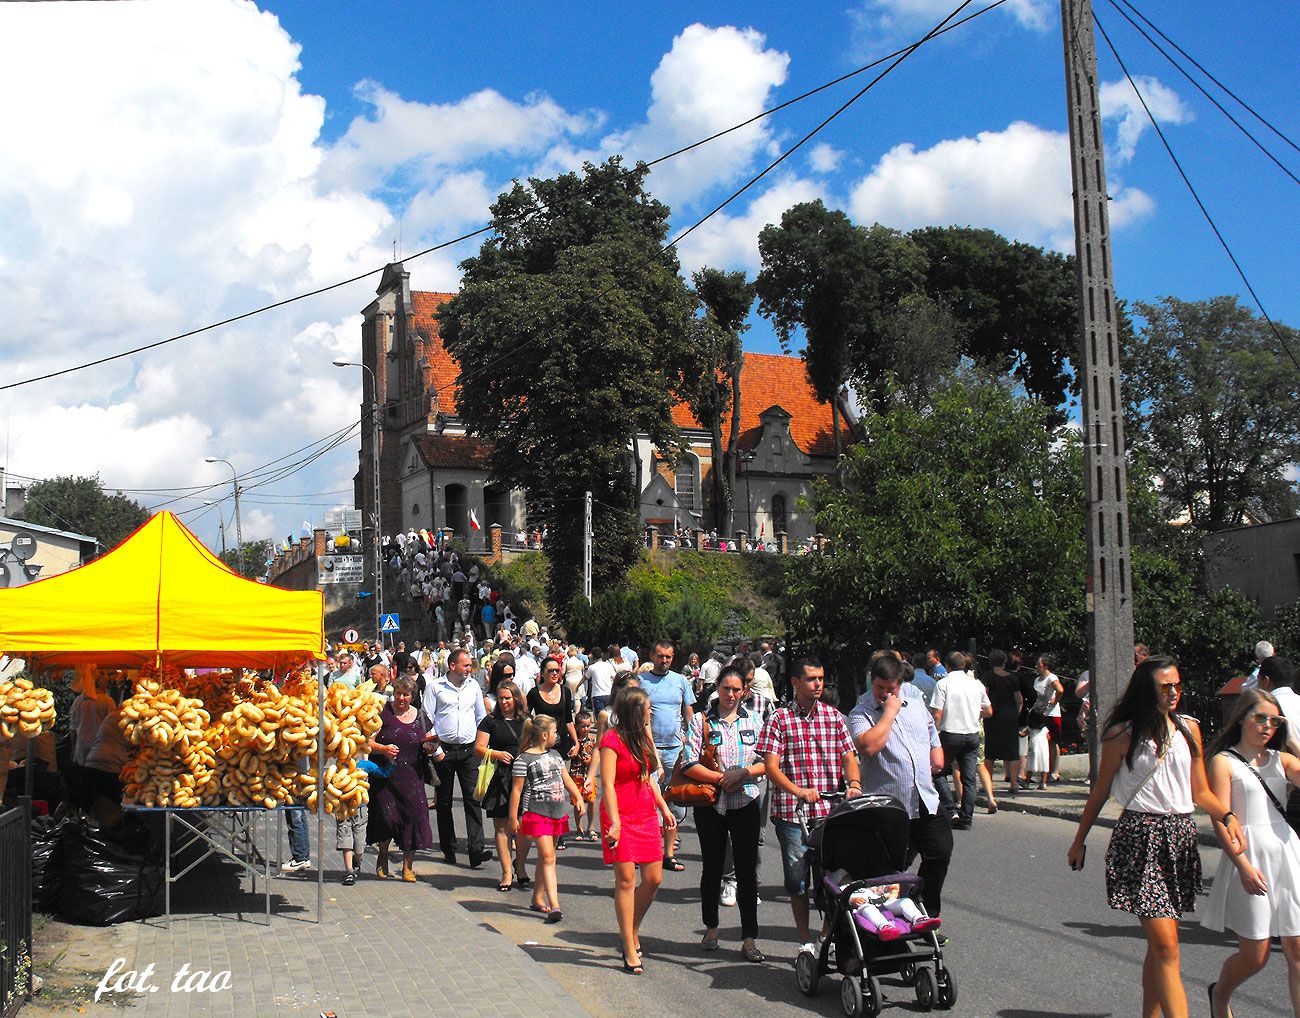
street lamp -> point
(221, 525)
(374, 449)
(239, 525)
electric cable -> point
(1201, 88)
(1277, 334)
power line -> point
(1240, 101)
(906, 51)
(1277, 334)
(1201, 88)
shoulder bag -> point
(681, 790)
(424, 765)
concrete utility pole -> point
(376, 547)
(586, 548)
(1105, 481)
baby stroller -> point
(862, 843)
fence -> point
(15, 906)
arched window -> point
(780, 515)
(685, 481)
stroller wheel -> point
(852, 998)
(947, 995)
(805, 974)
(927, 991)
(907, 972)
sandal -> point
(543, 909)
(505, 886)
(710, 942)
(671, 862)
(523, 883)
(631, 969)
(750, 952)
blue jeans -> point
(598, 703)
(668, 757)
(794, 857)
(299, 840)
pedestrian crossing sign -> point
(390, 623)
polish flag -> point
(473, 520)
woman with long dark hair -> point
(629, 825)
(499, 736)
(1151, 759)
(1251, 768)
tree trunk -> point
(733, 442)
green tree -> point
(572, 329)
(727, 298)
(1017, 304)
(255, 555)
(1215, 408)
(81, 505)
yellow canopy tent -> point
(161, 597)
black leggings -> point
(742, 825)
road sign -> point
(390, 623)
(351, 636)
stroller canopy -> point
(864, 836)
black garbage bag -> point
(47, 860)
(110, 875)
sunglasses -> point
(1165, 688)
(1268, 720)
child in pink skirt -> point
(539, 806)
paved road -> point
(1028, 937)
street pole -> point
(377, 537)
(239, 525)
(1109, 584)
(586, 548)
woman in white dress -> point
(1261, 900)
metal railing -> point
(15, 906)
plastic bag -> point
(109, 876)
(47, 861)
(486, 771)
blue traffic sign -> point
(390, 623)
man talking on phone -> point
(899, 754)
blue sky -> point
(191, 160)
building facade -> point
(434, 475)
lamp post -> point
(374, 449)
(747, 458)
(239, 526)
(221, 526)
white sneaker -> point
(728, 896)
(294, 865)
(808, 948)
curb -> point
(1074, 815)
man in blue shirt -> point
(898, 754)
(934, 665)
(671, 707)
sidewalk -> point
(382, 948)
(1066, 799)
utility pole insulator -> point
(1105, 482)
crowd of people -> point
(591, 745)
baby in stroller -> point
(889, 913)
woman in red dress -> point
(630, 808)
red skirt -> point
(534, 825)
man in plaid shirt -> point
(808, 751)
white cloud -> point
(1016, 181)
(825, 158)
(398, 135)
(877, 20)
(711, 79)
(731, 242)
(1120, 101)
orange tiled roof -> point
(453, 450)
(443, 369)
(765, 380)
(773, 380)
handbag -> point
(487, 770)
(681, 790)
(424, 765)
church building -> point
(434, 475)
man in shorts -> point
(809, 752)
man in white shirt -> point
(600, 680)
(1278, 677)
(455, 706)
(527, 668)
(959, 703)
(710, 670)
(1263, 651)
